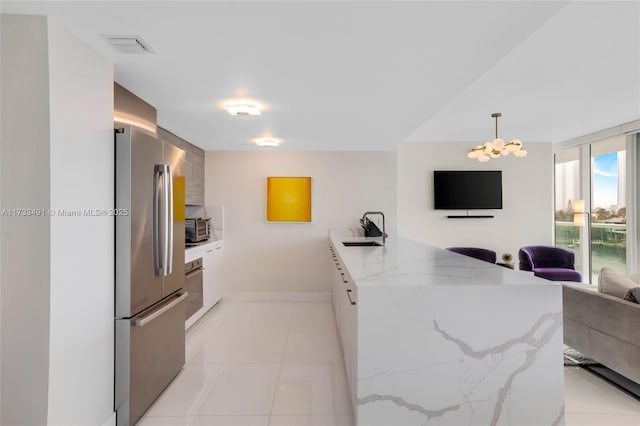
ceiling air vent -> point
(130, 44)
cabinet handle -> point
(349, 296)
(218, 248)
(209, 251)
(193, 273)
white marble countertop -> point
(403, 262)
(204, 244)
(192, 253)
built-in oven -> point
(193, 286)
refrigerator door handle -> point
(169, 222)
(163, 230)
(158, 266)
(141, 322)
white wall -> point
(527, 185)
(82, 268)
(293, 258)
(57, 272)
(25, 239)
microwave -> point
(197, 229)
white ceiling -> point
(368, 75)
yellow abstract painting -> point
(179, 194)
(288, 199)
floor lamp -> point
(579, 215)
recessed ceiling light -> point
(243, 108)
(267, 142)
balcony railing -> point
(608, 245)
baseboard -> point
(627, 385)
(111, 421)
(240, 296)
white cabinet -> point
(211, 255)
(336, 284)
(345, 294)
(212, 274)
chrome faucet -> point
(384, 233)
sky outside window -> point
(605, 181)
(608, 229)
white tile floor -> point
(590, 400)
(259, 364)
(279, 364)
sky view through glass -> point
(605, 180)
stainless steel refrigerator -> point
(150, 308)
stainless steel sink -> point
(361, 243)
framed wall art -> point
(288, 199)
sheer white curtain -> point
(632, 195)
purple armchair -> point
(478, 253)
(551, 263)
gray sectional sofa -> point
(603, 327)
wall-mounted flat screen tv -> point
(467, 189)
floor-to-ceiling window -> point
(600, 174)
(567, 190)
(608, 206)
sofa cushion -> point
(558, 274)
(633, 295)
(635, 277)
(602, 327)
(610, 282)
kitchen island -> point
(434, 337)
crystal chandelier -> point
(498, 147)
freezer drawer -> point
(150, 352)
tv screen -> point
(467, 190)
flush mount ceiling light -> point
(243, 108)
(497, 147)
(267, 142)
